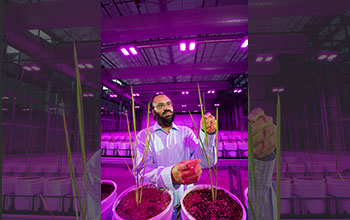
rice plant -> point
(137, 169)
(251, 165)
(278, 155)
(211, 164)
(76, 194)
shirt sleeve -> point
(265, 189)
(158, 175)
(197, 152)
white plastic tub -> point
(56, 186)
(312, 188)
(165, 215)
(185, 215)
(27, 186)
(336, 187)
(107, 203)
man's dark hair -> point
(155, 95)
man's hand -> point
(264, 133)
(187, 172)
(210, 121)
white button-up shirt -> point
(166, 150)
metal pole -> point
(47, 101)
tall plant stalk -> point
(76, 194)
(136, 168)
(252, 165)
(81, 123)
(206, 148)
(278, 155)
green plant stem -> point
(71, 169)
(134, 162)
(278, 152)
(81, 124)
(251, 160)
(217, 152)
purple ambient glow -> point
(124, 51)
(184, 106)
(182, 46)
(192, 46)
(245, 44)
(133, 50)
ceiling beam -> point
(53, 56)
(277, 43)
(53, 14)
(178, 87)
(198, 21)
(285, 8)
(177, 70)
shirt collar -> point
(156, 127)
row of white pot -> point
(47, 170)
(309, 188)
(106, 212)
(313, 167)
(23, 190)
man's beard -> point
(164, 121)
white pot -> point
(312, 188)
(338, 188)
(56, 186)
(286, 192)
(110, 146)
(27, 187)
(187, 216)
(123, 148)
(243, 146)
(18, 169)
(165, 215)
(8, 184)
(231, 149)
(246, 198)
(8, 188)
(107, 203)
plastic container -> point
(165, 215)
(187, 216)
(107, 203)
